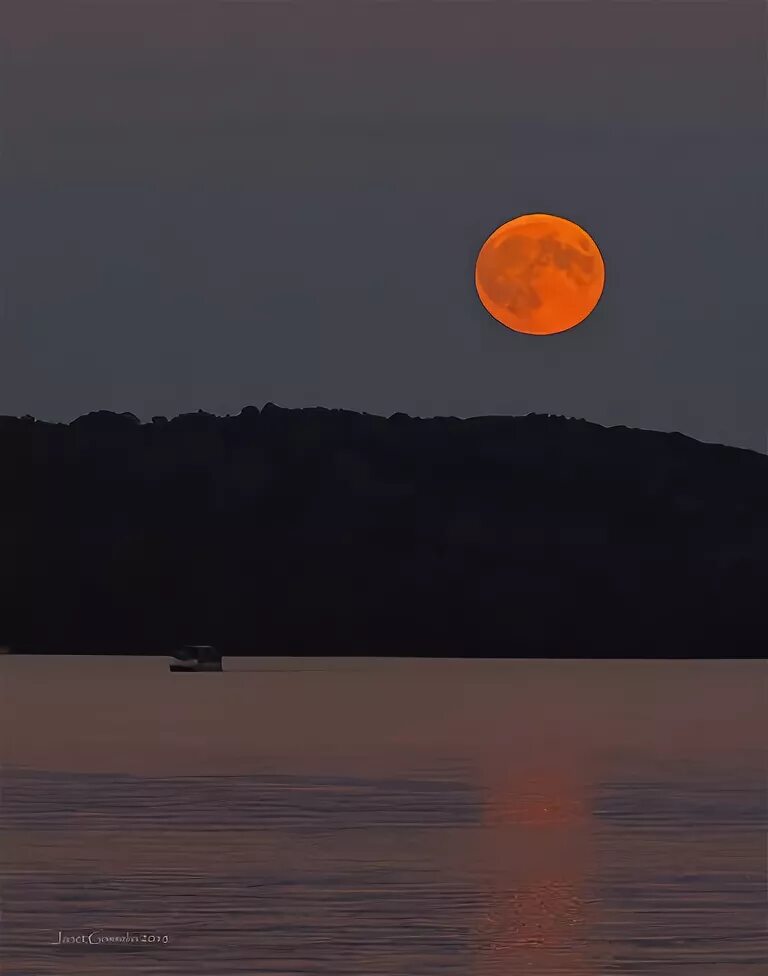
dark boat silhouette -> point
(196, 657)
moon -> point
(540, 274)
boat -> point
(196, 657)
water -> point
(370, 817)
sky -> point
(211, 204)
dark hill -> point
(326, 531)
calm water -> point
(370, 817)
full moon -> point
(539, 274)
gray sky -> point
(212, 204)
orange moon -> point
(540, 274)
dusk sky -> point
(211, 204)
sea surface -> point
(383, 817)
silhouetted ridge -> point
(329, 531)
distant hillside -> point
(325, 531)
